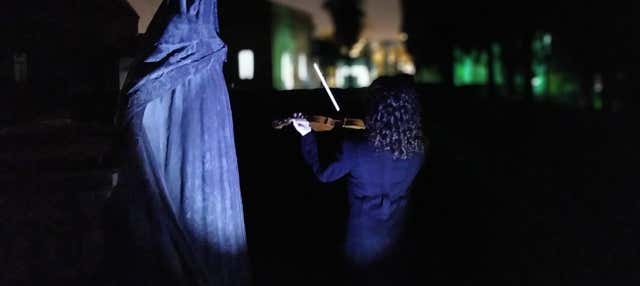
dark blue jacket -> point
(378, 186)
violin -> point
(321, 123)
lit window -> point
(302, 67)
(286, 71)
(245, 64)
(342, 74)
(597, 84)
(20, 67)
(407, 67)
(352, 76)
(547, 39)
(361, 74)
(536, 81)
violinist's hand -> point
(301, 124)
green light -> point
(283, 42)
(470, 68)
(498, 68)
(428, 74)
(518, 82)
(547, 39)
(541, 53)
(563, 87)
(597, 102)
(539, 81)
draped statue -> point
(179, 181)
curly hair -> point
(394, 120)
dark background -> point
(515, 191)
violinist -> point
(380, 165)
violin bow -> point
(326, 87)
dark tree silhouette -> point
(599, 48)
(347, 20)
(590, 40)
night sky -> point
(145, 9)
(382, 16)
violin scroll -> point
(279, 124)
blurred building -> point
(367, 60)
(533, 52)
(62, 57)
(269, 45)
(384, 57)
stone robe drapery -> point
(180, 178)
